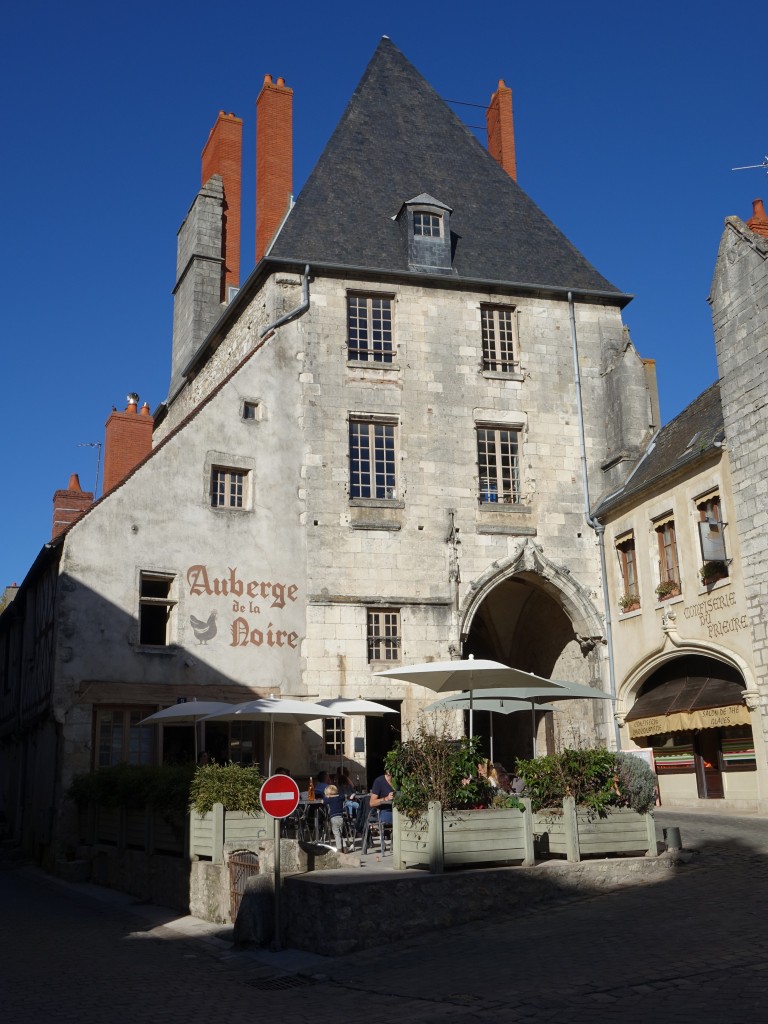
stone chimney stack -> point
(758, 222)
(274, 159)
(69, 505)
(128, 440)
(501, 129)
(223, 155)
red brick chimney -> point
(69, 505)
(223, 154)
(501, 129)
(128, 440)
(758, 222)
(274, 159)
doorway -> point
(381, 734)
(709, 775)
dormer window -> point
(425, 225)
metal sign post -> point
(279, 797)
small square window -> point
(384, 634)
(334, 736)
(121, 740)
(228, 487)
(251, 411)
(427, 225)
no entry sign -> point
(279, 796)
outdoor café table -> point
(312, 814)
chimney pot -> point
(274, 160)
(223, 155)
(758, 222)
(501, 129)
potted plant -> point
(713, 571)
(446, 811)
(629, 602)
(667, 589)
(590, 802)
(225, 807)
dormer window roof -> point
(426, 230)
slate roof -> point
(685, 440)
(398, 139)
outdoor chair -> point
(373, 830)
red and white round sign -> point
(279, 796)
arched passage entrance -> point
(530, 613)
(691, 713)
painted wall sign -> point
(243, 598)
(712, 613)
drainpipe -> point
(298, 311)
(598, 527)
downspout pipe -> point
(296, 312)
(593, 523)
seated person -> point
(382, 795)
(333, 802)
(347, 790)
(320, 783)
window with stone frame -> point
(626, 554)
(372, 458)
(427, 225)
(669, 568)
(498, 459)
(384, 634)
(334, 737)
(228, 487)
(369, 328)
(715, 561)
(156, 605)
(499, 331)
(121, 740)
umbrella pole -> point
(490, 716)
(533, 727)
(271, 741)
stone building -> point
(378, 448)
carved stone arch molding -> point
(529, 561)
(672, 648)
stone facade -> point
(739, 300)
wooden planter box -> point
(577, 834)
(209, 832)
(463, 838)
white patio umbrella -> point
(476, 675)
(496, 705)
(355, 706)
(532, 697)
(274, 709)
(189, 712)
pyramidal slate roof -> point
(397, 139)
(685, 440)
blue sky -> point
(628, 120)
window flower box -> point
(713, 571)
(667, 589)
(629, 602)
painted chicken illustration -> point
(204, 631)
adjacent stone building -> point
(374, 451)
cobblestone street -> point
(693, 947)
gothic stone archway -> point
(530, 613)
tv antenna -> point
(754, 167)
(94, 444)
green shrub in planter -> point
(637, 782)
(431, 766)
(233, 785)
(597, 779)
(162, 787)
